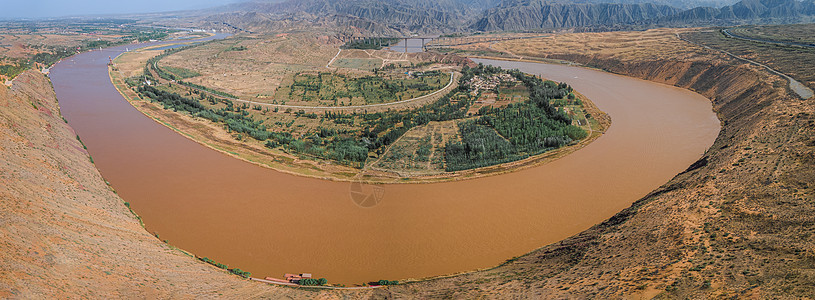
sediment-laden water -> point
(268, 222)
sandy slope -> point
(64, 232)
(740, 223)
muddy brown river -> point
(270, 223)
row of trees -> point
(498, 135)
(373, 89)
(235, 271)
(480, 146)
(370, 43)
(329, 144)
(515, 131)
(313, 282)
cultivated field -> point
(723, 228)
(281, 131)
(736, 224)
(797, 62)
(253, 67)
(796, 33)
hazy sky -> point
(13, 9)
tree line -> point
(516, 131)
(495, 135)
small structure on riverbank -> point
(277, 280)
(294, 278)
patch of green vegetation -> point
(496, 135)
(182, 73)
(370, 43)
(357, 63)
(516, 131)
(313, 282)
(235, 271)
(387, 282)
(333, 89)
(12, 67)
(237, 48)
(147, 35)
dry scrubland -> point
(737, 224)
(263, 68)
(16, 48)
(408, 162)
(259, 70)
(796, 62)
(799, 33)
(65, 233)
(16, 45)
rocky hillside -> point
(384, 17)
(538, 14)
(738, 223)
(65, 233)
(681, 4)
(404, 17)
(745, 12)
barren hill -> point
(738, 223)
(65, 233)
(746, 11)
(537, 14)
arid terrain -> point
(723, 228)
(230, 67)
(38, 45)
(737, 223)
(66, 233)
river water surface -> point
(270, 223)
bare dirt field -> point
(258, 70)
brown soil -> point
(737, 224)
(215, 136)
(67, 234)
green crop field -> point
(336, 89)
(357, 63)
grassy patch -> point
(182, 72)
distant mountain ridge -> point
(746, 11)
(513, 15)
(538, 14)
(403, 17)
(390, 15)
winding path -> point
(453, 77)
(799, 88)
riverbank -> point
(466, 225)
(66, 233)
(215, 137)
(758, 214)
(722, 228)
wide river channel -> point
(269, 223)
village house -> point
(479, 83)
(295, 278)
